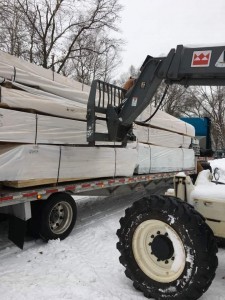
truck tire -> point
(57, 216)
(167, 249)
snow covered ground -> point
(82, 267)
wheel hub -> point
(158, 250)
(60, 217)
(54, 216)
(162, 247)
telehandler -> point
(166, 246)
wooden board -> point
(36, 182)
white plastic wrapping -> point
(21, 127)
(43, 103)
(141, 133)
(11, 64)
(88, 162)
(96, 162)
(52, 130)
(165, 121)
(161, 137)
(156, 159)
(29, 78)
(27, 162)
(165, 159)
(144, 159)
(30, 98)
(17, 126)
(126, 161)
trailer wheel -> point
(58, 216)
(167, 249)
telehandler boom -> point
(184, 66)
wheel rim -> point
(158, 251)
(60, 217)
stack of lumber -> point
(43, 133)
(24, 165)
(156, 159)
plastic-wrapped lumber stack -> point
(25, 165)
(163, 143)
(43, 131)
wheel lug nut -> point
(158, 259)
(166, 234)
(152, 236)
(158, 232)
(173, 258)
(166, 262)
(150, 244)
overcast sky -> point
(155, 26)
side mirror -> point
(216, 174)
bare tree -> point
(12, 34)
(210, 102)
(39, 30)
(98, 62)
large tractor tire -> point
(168, 250)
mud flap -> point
(17, 231)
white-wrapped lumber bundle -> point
(26, 162)
(19, 70)
(161, 137)
(30, 77)
(165, 121)
(32, 99)
(155, 159)
(29, 98)
(17, 127)
(95, 162)
(24, 127)
(27, 165)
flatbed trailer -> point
(50, 211)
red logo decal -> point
(201, 58)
